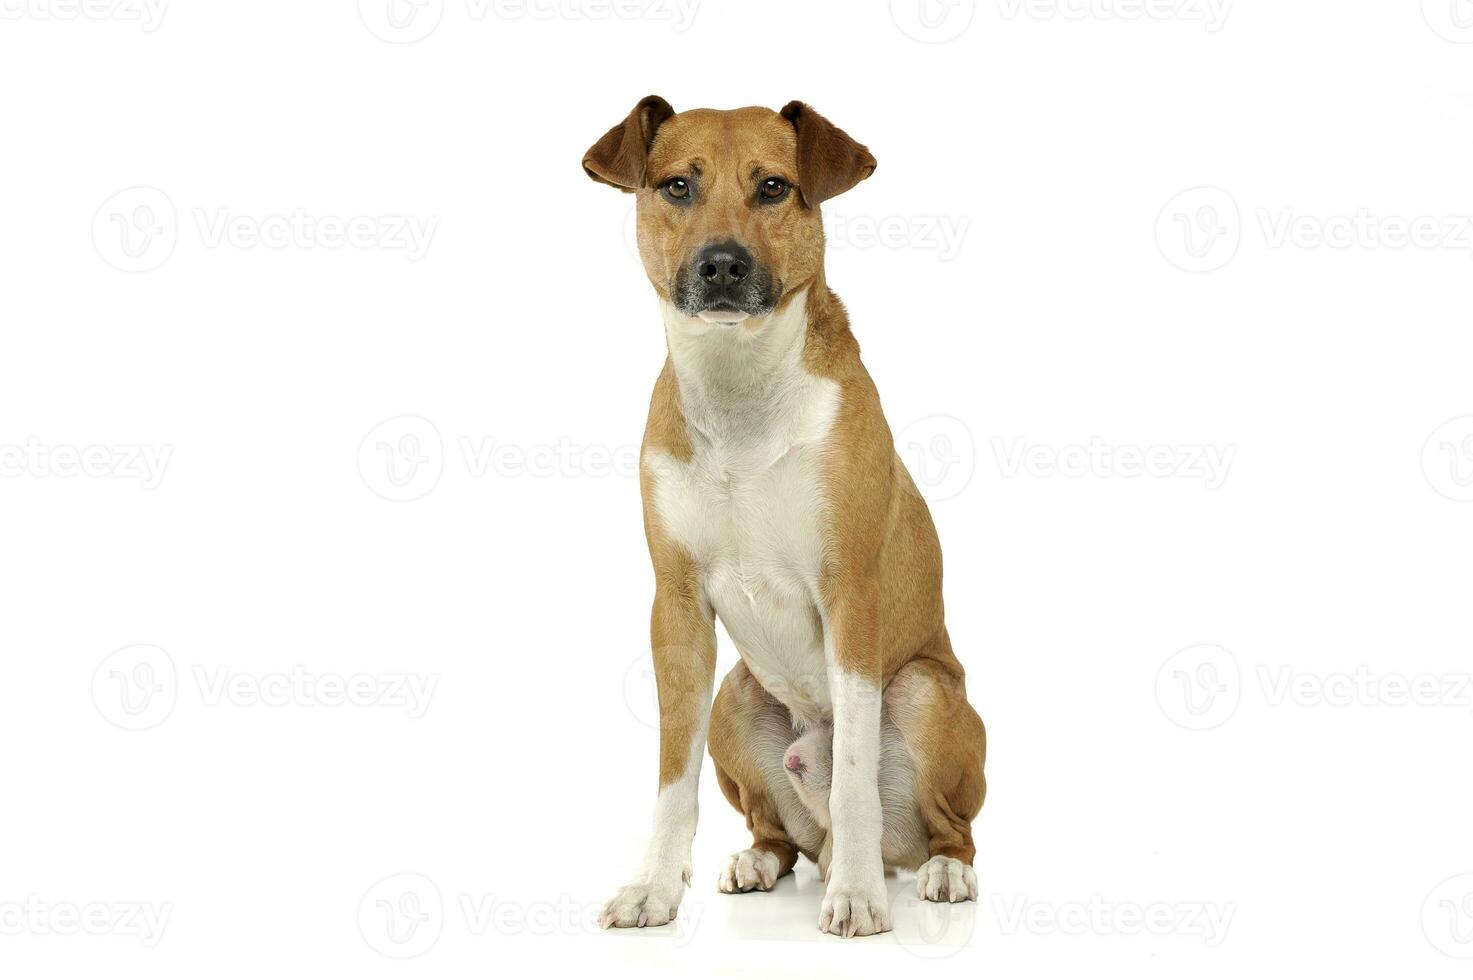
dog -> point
(775, 501)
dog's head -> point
(727, 201)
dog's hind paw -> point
(749, 870)
(945, 879)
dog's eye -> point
(773, 189)
(676, 189)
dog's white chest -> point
(753, 526)
(749, 508)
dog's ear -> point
(619, 157)
(829, 160)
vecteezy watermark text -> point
(403, 916)
(402, 458)
(300, 687)
(1202, 686)
(1200, 230)
(1211, 14)
(1097, 458)
(407, 233)
(138, 687)
(1097, 916)
(138, 229)
(35, 916)
(123, 461)
(408, 21)
(147, 14)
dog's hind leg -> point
(750, 732)
(904, 840)
(927, 702)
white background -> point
(1086, 301)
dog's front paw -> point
(855, 907)
(749, 870)
(945, 879)
(644, 903)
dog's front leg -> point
(682, 633)
(855, 903)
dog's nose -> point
(724, 264)
(794, 763)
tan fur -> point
(682, 627)
(881, 585)
(730, 152)
(749, 731)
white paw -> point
(748, 870)
(644, 903)
(945, 879)
(855, 908)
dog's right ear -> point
(619, 157)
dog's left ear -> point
(619, 157)
(829, 160)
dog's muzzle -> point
(723, 284)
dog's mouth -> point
(723, 313)
(727, 310)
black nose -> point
(724, 264)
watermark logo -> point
(684, 701)
(932, 930)
(641, 695)
(136, 229)
(1447, 917)
(933, 21)
(401, 21)
(1199, 688)
(1447, 459)
(1211, 14)
(940, 453)
(401, 916)
(147, 14)
(1451, 19)
(401, 459)
(1200, 229)
(136, 687)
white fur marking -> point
(855, 902)
(654, 896)
(748, 506)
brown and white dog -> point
(774, 499)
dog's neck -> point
(745, 383)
